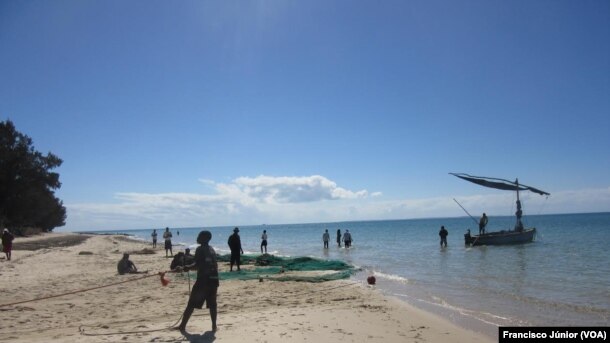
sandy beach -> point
(137, 308)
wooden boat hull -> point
(501, 237)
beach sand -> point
(143, 310)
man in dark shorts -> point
(443, 233)
(235, 246)
(206, 286)
(264, 241)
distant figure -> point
(154, 237)
(326, 238)
(264, 241)
(482, 223)
(125, 266)
(168, 241)
(178, 233)
(206, 286)
(347, 239)
(443, 233)
(235, 246)
(339, 237)
(7, 243)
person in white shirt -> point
(326, 238)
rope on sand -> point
(82, 290)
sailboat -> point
(519, 234)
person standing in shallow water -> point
(206, 286)
(347, 239)
(325, 239)
(168, 241)
(235, 246)
(339, 237)
(443, 233)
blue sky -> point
(197, 113)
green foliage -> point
(27, 186)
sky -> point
(213, 113)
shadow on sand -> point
(206, 337)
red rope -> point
(81, 290)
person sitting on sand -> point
(7, 243)
(182, 259)
(235, 246)
(125, 266)
(206, 286)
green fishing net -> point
(302, 269)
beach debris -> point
(371, 280)
(145, 251)
(164, 280)
(85, 253)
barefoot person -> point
(206, 286)
(7, 243)
(236, 250)
(168, 241)
(125, 266)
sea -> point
(560, 279)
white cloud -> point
(265, 199)
(294, 189)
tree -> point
(27, 185)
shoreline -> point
(269, 311)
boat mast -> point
(519, 213)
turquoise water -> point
(563, 278)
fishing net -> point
(302, 269)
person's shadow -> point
(207, 337)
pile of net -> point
(303, 269)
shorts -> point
(264, 242)
(235, 257)
(7, 248)
(168, 245)
(202, 293)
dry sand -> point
(143, 310)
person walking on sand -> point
(347, 239)
(482, 224)
(326, 238)
(236, 250)
(168, 241)
(206, 286)
(339, 237)
(443, 233)
(7, 243)
(264, 241)
(154, 237)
